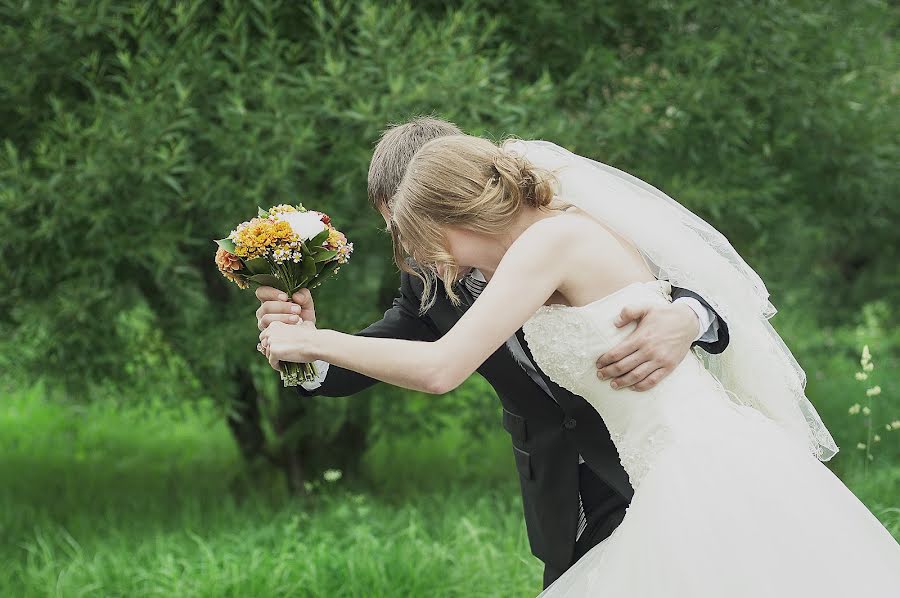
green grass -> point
(152, 501)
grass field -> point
(153, 501)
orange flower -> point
(227, 261)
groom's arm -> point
(716, 337)
(400, 321)
(662, 338)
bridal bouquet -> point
(287, 247)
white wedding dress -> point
(726, 504)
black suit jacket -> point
(547, 435)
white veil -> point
(757, 368)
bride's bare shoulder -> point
(579, 226)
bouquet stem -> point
(292, 374)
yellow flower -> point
(256, 237)
(336, 238)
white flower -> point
(861, 376)
(861, 446)
(332, 475)
(876, 438)
(866, 411)
(874, 391)
(305, 225)
(854, 409)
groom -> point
(574, 489)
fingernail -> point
(295, 309)
(295, 318)
(614, 385)
(283, 297)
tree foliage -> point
(134, 133)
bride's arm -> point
(530, 271)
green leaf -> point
(268, 280)
(227, 244)
(308, 267)
(258, 265)
(318, 239)
(327, 271)
(261, 212)
(325, 255)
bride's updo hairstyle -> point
(465, 182)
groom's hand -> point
(662, 338)
(275, 306)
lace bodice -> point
(566, 342)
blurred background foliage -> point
(145, 440)
(134, 133)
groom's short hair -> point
(395, 149)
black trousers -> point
(604, 509)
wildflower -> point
(866, 411)
(876, 438)
(895, 425)
(874, 391)
(861, 376)
(344, 253)
(332, 475)
(854, 409)
(861, 446)
(869, 367)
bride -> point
(724, 455)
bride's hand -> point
(288, 342)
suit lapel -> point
(557, 393)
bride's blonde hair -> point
(461, 181)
